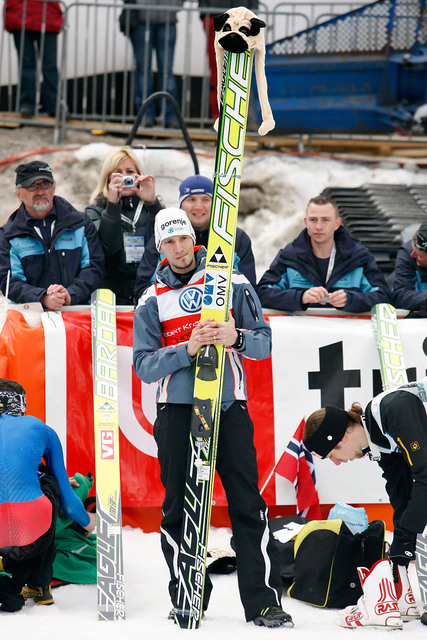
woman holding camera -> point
(123, 208)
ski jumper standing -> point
(167, 336)
(28, 505)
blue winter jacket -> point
(244, 260)
(73, 259)
(410, 281)
(294, 270)
(172, 366)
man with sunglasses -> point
(410, 278)
(49, 251)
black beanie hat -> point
(330, 432)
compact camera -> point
(129, 182)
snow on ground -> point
(74, 616)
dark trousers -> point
(30, 54)
(257, 565)
(32, 564)
(161, 39)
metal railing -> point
(96, 62)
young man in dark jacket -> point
(49, 251)
(410, 276)
(323, 266)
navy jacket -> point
(244, 260)
(74, 257)
(294, 270)
(410, 281)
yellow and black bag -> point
(326, 557)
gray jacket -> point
(172, 366)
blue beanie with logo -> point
(195, 184)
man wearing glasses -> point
(49, 251)
(410, 278)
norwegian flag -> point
(296, 464)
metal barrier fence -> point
(96, 61)
(395, 25)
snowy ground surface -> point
(74, 617)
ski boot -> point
(405, 597)
(40, 595)
(378, 606)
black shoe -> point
(26, 112)
(424, 618)
(149, 122)
(273, 617)
(172, 124)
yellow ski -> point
(110, 579)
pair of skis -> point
(393, 374)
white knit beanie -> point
(172, 222)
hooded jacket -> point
(73, 258)
(294, 270)
(410, 281)
(170, 321)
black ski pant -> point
(32, 564)
(258, 567)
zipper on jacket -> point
(64, 267)
(252, 305)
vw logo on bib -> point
(191, 300)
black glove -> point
(402, 549)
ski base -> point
(110, 578)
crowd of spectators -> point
(53, 254)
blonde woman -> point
(123, 208)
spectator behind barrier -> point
(324, 266)
(39, 17)
(124, 217)
(195, 198)
(49, 251)
(150, 30)
(410, 276)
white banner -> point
(318, 361)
